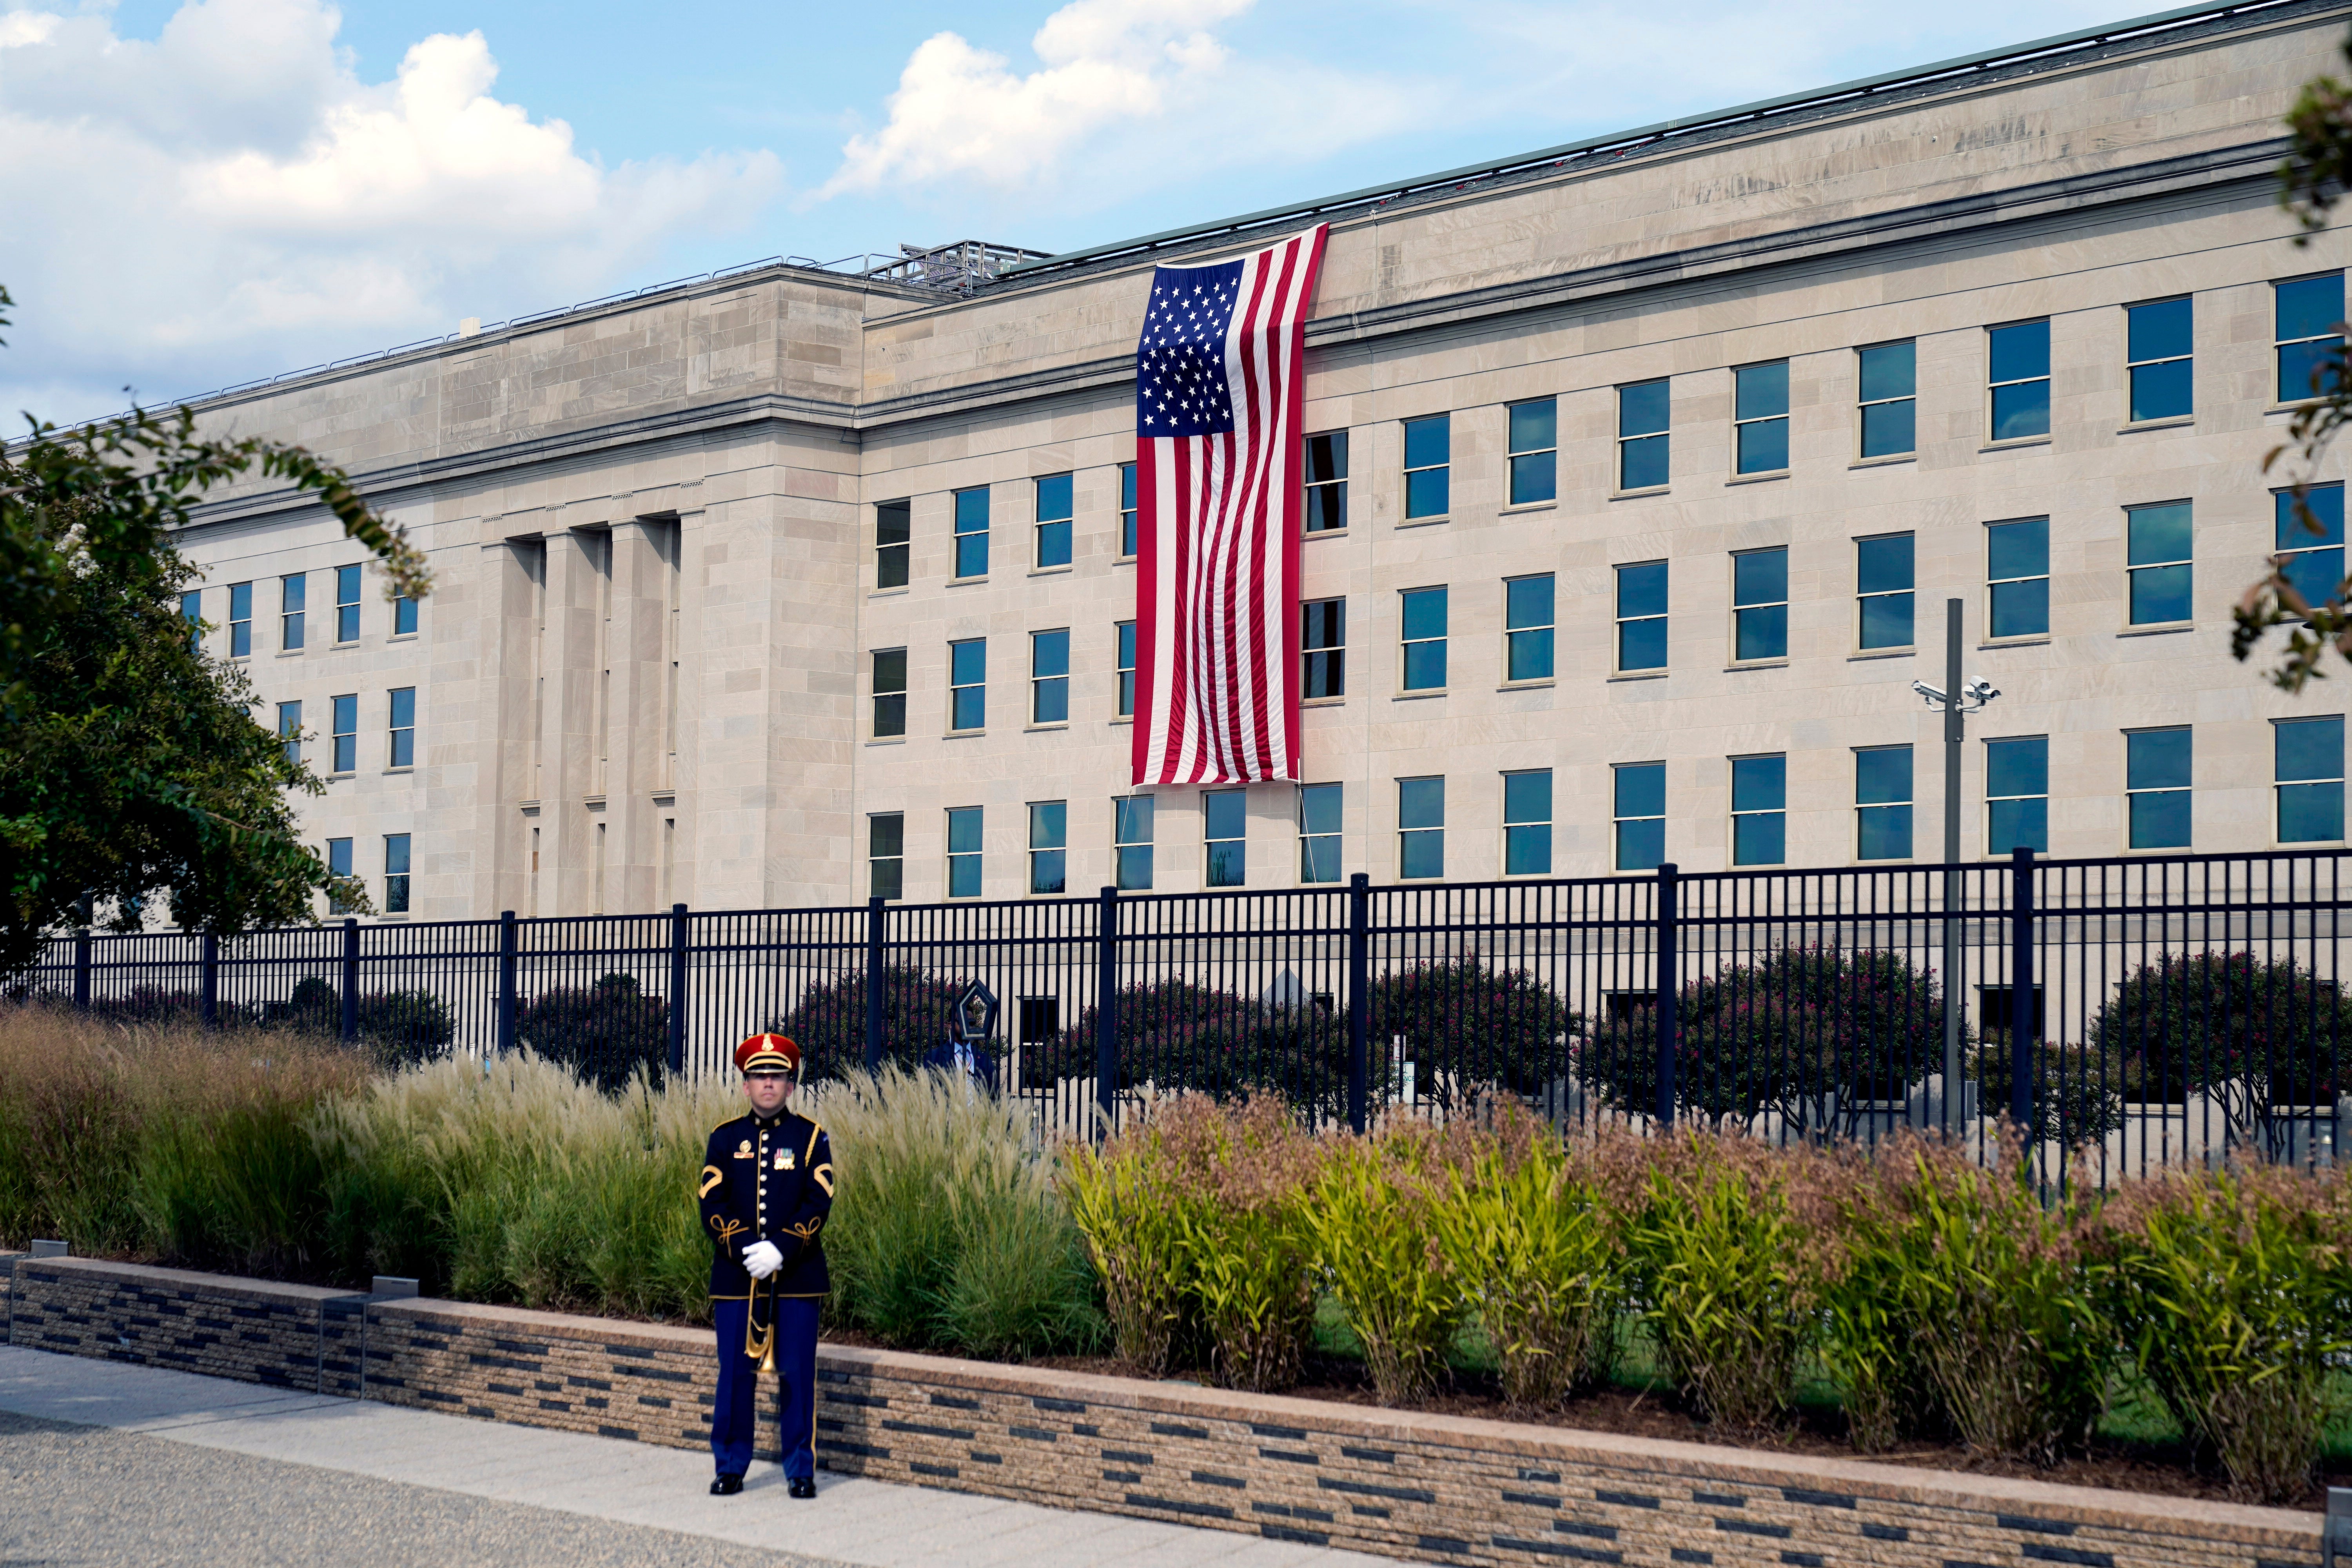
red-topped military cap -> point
(768, 1053)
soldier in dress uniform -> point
(766, 1188)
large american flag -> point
(1217, 415)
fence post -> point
(1668, 979)
(208, 980)
(677, 988)
(2024, 1027)
(506, 1000)
(1107, 1009)
(351, 980)
(81, 969)
(1359, 999)
(873, 909)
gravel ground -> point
(92, 1496)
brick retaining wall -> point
(1435, 1487)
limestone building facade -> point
(1642, 471)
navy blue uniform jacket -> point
(767, 1181)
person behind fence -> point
(766, 1190)
(961, 1059)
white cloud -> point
(231, 198)
(1112, 71)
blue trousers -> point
(735, 1413)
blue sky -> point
(217, 190)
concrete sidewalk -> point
(534, 1493)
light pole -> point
(1958, 701)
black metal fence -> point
(2132, 1012)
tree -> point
(829, 1022)
(131, 767)
(1787, 1034)
(606, 1034)
(2312, 179)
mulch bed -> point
(2161, 1468)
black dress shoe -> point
(801, 1486)
(727, 1486)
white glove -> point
(761, 1259)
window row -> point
(2159, 577)
(395, 871)
(2308, 795)
(293, 612)
(343, 733)
(2157, 344)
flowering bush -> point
(2255, 1033)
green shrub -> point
(399, 1029)
(829, 1023)
(1178, 1036)
(1468, 1027)
(2077, 1093)
(607, 1033)
(1125, 1200)
(1373, 1215)
(1244, 1247)
(1724, 1244)
(2255, 1033)
(2236, 1290)
(1532, 1240)
(1998, 1292)
(1804, 1024)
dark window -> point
(339, 864)
(889, 692)
(1053, 520)
(1323, 632)
(1126, 655)
(240, 620)
(395, 873)
(2017, 795)
(1890, 382)
(347, 604)
(1127, 508)
(346, 733)
(968, 684)
(404, 726)
(1041, 1019)
(2156, 788)
(1428, 446)
(403, 616)
(886, 854)
(2308, 765)
(963, 852)
(1759, 605)
(1319, 832)
(1049, 844)
(1642, 615)
(1882, 802)
(1327, 482)
(972, 533)
(2313, 550)
(2019, 361)
(2017, 573)
(1421, 828)
(1638, 805)
(2157, 544)
(1528, 629)
(1224, 830)
(1526, 823)
(290, 728)
(1642, 414)
(1760, 416)
(2308, 324)
(1424, 640)
(292, 593)
(894, 531)
(2157, 349)
(1760, 810)
(1883, 584)
(1049, 677)
(1132, 842)
(1534, 439)
(191, 610)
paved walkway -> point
(105, 1464)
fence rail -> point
(2131, 1013)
